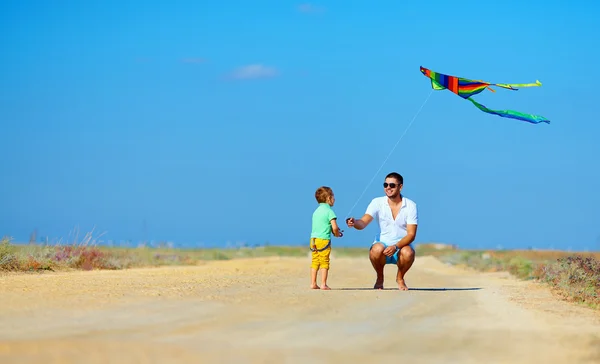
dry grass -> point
(574, 276)
(86, 255)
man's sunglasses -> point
(391, 185)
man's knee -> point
(376, 250)
(407, 253)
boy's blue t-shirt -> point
(321, 221)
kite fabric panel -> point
(467, 88)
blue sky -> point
(212, 122)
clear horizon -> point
(205, 122)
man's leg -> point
(378, 261)
(406, 257)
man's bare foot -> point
(325, 288)
(314, 286)
(378, 284)
(401, 285)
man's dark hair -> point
(397, 176)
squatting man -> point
(397, 218)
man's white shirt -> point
(391, 231)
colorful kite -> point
(466, 88)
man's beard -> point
(394, 194)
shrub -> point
(83, 257)
(576, 278)
(8, 258)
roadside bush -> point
(576, 278)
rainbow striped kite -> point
(466, 88)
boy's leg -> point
(313, 278)
(323, 259)
(314, 266)
(324, 274)
(325, 267)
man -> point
(397, 218)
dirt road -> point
(261, 311)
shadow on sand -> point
(410, 289)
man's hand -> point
(390, 250)
(359, 224)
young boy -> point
(324, 223)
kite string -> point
(390, 153)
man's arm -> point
(411, 233)
(412, 221)
(363, 222)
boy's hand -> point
(340, 233)
(350, 222)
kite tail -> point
(515, 86)
(534, 119)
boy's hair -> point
(323, 193)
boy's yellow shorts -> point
(320, 256)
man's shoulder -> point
(379, 200)
(375, 205)
(409, 202)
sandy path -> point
(260, 311)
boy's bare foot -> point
(402, 285)
(326, 288)
(314, 286)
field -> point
(82, 303)
(573, 276)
